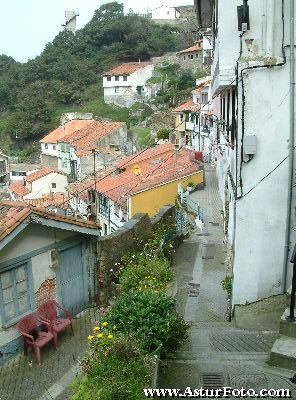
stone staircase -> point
(283, 352)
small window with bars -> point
(14, 294)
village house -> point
(91, 148)
(41, 182)
(192, 126)
(43, 256)
(194, 54)
(252, 143)
(142, 183)
(49, 143)
(128, 83)
(17, 172)
(4, 168)
(78, 198)
(165, 13)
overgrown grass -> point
(143, 136)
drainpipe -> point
(291, 142)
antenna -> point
(71, 19)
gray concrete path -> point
(216, 353)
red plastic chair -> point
(27, 327)
(48, 312)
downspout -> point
(291, 143)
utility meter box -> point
(250, 144)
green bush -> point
(114, 368)
(227, 286)
(163, 134)
(146, 275)
(152, 318)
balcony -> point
(223, 76)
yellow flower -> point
(104, 324)
(100, 335)
(110, 336)
(90, 337)
(114, 328)
(96, 328)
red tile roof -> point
(41, 173)
(13, 213)
(62, 131)
(188, 106)
(86, 138)
(118, 187)
(51, 199)
(192, 49)
(126, 68)
(200, 87)
(19, 188)
(148, 154)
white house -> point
(191, 125)
(163, 13)
(127, 84)
(35, 185)
(252, 144)
(49, 147)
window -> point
(117, 78)
(116, 89)
(139, 90)
(14, 293)
(54, 147)
(184, 57)
(54, 185)
(191, 56)
(204, 98)
(181, 117)
(108, 78)
(196, 55)
(46, 146)
(125, 78)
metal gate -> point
(72, 279)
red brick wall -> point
(46, 291)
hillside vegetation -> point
(67, 74)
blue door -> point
(72, 279)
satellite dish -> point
(136, 170)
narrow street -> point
(216, 353)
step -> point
(287, 328)
(283, 353)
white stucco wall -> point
(44, 185)
(256, 221)
(164, 12)
(51, 150)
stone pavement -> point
(216, 353)
(22, 379)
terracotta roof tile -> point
(62, 131)
(13, 213)
(51, 199)
(188, 106)
(200, 87)
(86, 138)
(154, 172)
(126, 68)
(150, 153)
(191, 49)
(18, 188)
(41, 173)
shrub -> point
(114, 367)
(191, 184)
(152, 318)
(163, 134)
(227, 286)
(146, 275)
